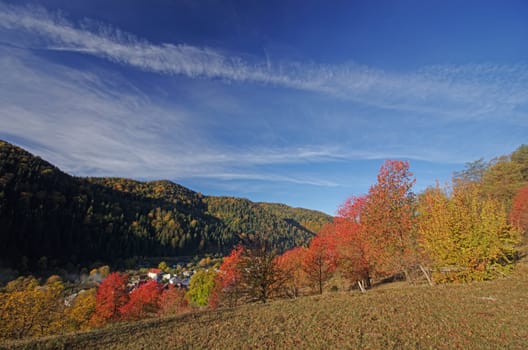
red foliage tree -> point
(320, 260)
(354, 253)
(172, 301)
(143, 302)
(519, 211)
(290, 265)
(111, 296)
(227, 282)
(389, 219)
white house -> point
(155, 274)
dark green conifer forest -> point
(45, 212)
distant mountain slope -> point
(307, 218)
(243, 216)
(45, 212)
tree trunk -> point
(407, 275)
(320, 278)
(367, 284)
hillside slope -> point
(484, 315)
(45, 212)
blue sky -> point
(298, 102)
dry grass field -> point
(485, 315)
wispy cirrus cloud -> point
(470, 91)
(100, 125)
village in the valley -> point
(177, 275)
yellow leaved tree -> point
(28, 309)
(466, 233)
(81, 310)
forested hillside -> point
(45, 212)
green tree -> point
(200, 287)
(473, 172)
(502, 180)
(520, 157)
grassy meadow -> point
(480, 315)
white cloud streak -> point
(100, 125)
(470, 91)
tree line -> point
(28, 309)
(471, 229)
(72, 221)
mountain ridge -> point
(45, 212)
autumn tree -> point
(473, 172)
(519, 212)
(389, 220)
(78, 315)
(111, 296)
(163, 266)
(260, 275)
(320, 259)
(520, 157)
(354, 253)
(99, 273)
(143, 302)
(228, 280)
(502, 180)
(51, 304)
(28, 309)
(200, 287)
(250, 272)
(17, 318)
(466, 234)
(173, 301)
(290, 265)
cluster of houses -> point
(163, 277)
(158, 275)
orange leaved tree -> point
(290, 265)
(320, 260)
(173, 301)
(519, 211)
(228, 280)
(111, 296)
(143, 302)
(389, 220)
(354, 252)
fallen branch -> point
(426, 274)
(361, 286)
